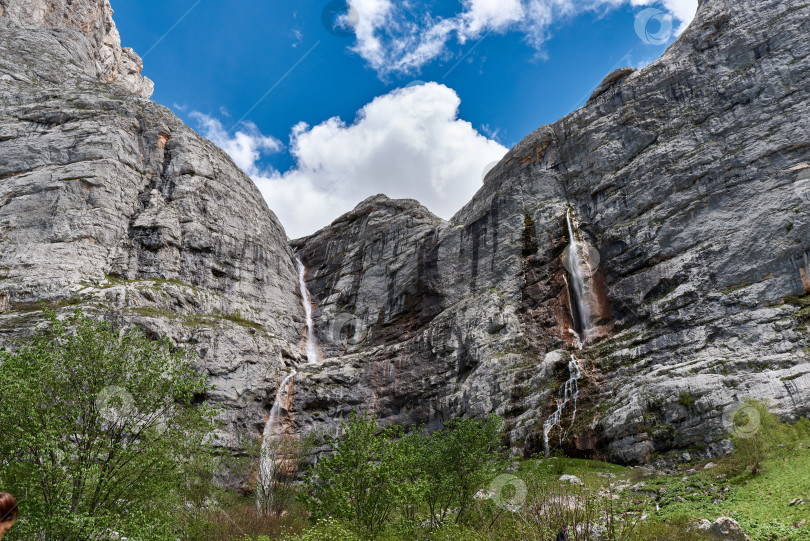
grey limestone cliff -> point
(690, 178)
(109, 202)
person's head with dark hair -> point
(8, 512)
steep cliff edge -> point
(109, 202)
(93, 20)
(690, 177)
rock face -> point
(690, 177)
(687, 181)
(93, 19)
(722, 529)
(108, 201)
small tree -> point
(459, 460)
(100, 433)
(410, 454)
(372, 472)
(360, 482)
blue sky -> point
(322, 115)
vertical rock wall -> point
(110, 203)
(689, 177)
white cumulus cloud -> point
(409, 143)
(682, 10)
(245, 147)
(395, 38)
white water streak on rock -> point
(272, 430)
(311, 348)
(568, 393)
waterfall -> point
(569, 392)
(312, 349)
(579, 267)
(272, 430)
(577, 260)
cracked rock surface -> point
(100, 51)
(690, 178)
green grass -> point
(588, 471)
(761, 503)
(27, 307)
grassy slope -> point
(761, 504)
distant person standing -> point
(563, 535)
(8, 512)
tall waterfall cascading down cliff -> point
(577, 262)
(580, 269)
(311, 348)
(274, 428)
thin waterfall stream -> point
(577, 263)
(312, 347)
(274, 428)
(569, 392)
(272, 431)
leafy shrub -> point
(759, 435)
(100, 433)
(359, 482)
(686, 400)
(457, 461)
(373, 474)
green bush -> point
(360, 482)
(686, 400)
(374, 475)
(457, 462)
(100, 434)
(759, 435)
